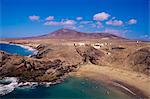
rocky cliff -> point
(53, 62)
(139, 60)
(31, 69)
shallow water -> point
(72, 87)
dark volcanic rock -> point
(48, 64)
(30, 69)
(140, 60)
(42, 51)
(90, 54)
(51, 64)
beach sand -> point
(136, 83)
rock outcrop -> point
(53, 62)
(30, 69)
(140, 60)
(90, 54)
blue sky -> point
(22, 18)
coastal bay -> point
(74, 49)
(115, 63)
(72, 87)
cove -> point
(72, 87)
(15, 49)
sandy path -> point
(109, 74)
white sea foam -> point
(5, 89)
(23, 46)
(125, 88)
(29, 85)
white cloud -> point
(50, 18)
(53, 23)
(69, 22)
(99, 25)
(65, 23)
(115, 22)
(86, 22)
(34, 18)
(70, 26)
(101, 16)
(146, 36)
(113, 18)
(132, 21)
(79, 18)
(61, 23)
(116, 32)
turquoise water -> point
(72, 87)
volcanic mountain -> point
(72, 34)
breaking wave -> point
(7, 88)
(23, 46)
(8, 84)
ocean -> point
(15, 49)
(71, 88)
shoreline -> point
(35, 51)
(10, 87)
(131, 85)
(14, 80)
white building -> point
(80, 44)
(98, 45)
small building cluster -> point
(95, 45)
(99, 45)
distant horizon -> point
(27, 18)
(73, 30)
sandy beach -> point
(133, 82)
(75, 49)
(120, 64)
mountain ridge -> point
(72, 34)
